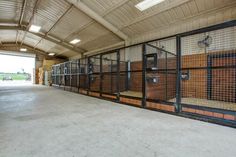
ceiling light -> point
(51, 54)
(75, 41)
(34, 28)
(147, 4)
(23, 49)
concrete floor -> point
(38, 121)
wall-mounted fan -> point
(205, 42)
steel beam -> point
(81, 6)
(30, 21)
(59, 42)
(21, 17)
(52, 39)
(22, 12)
(13, 44)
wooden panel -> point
(158, 106)
(135, 81)
(134, 102)
(95, 82)
(196, 86)
(224, 80)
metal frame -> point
(178, 71)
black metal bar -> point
(209, 77)
(210, 109)
(70, 67)
(166, 72)
(158, 48)
(210, 28)
(178, 71)
(144, 77)
(127, 78)
(111, 79)
(78, 74)
(101, 76)
(88, 76)
(118, 76)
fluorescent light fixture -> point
(75, 41)
(34, 28)
(51, 54)
(147, 4)
(23, 49)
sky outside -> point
(14, 64)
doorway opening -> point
(17, 70)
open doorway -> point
(16, 70)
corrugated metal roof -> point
(48, 12)
(68, 24)
(101, 41)
(91, 32)
(7, 35)
(167, 18)
(102, 6)
(10, 10)
(46, 45)
(31, 39)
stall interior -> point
(198, 76)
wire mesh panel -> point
(54, 75)
(67, 73)
(94, 73)
(74, 73)
(62, 76)
(83, 72)
(57, 74)
(208, 70)
(109, 73)
(161, 70)
(130, 81)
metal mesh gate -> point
(191, 74)
(208, 66)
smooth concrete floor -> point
(38, 121)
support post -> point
(118, 76)
(88, 75)
(144, 66)
(101, 76)
(178, 106)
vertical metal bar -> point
(209, 77)
(70, 75)
(144, 66)
(118, 76)
(127, 75)
(111, 79)
(64, 75)
(166, 86)
(88, 75)
(178, 107)
(76, 70)
(101, 76)
(78, 73)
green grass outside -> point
(14, 76)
